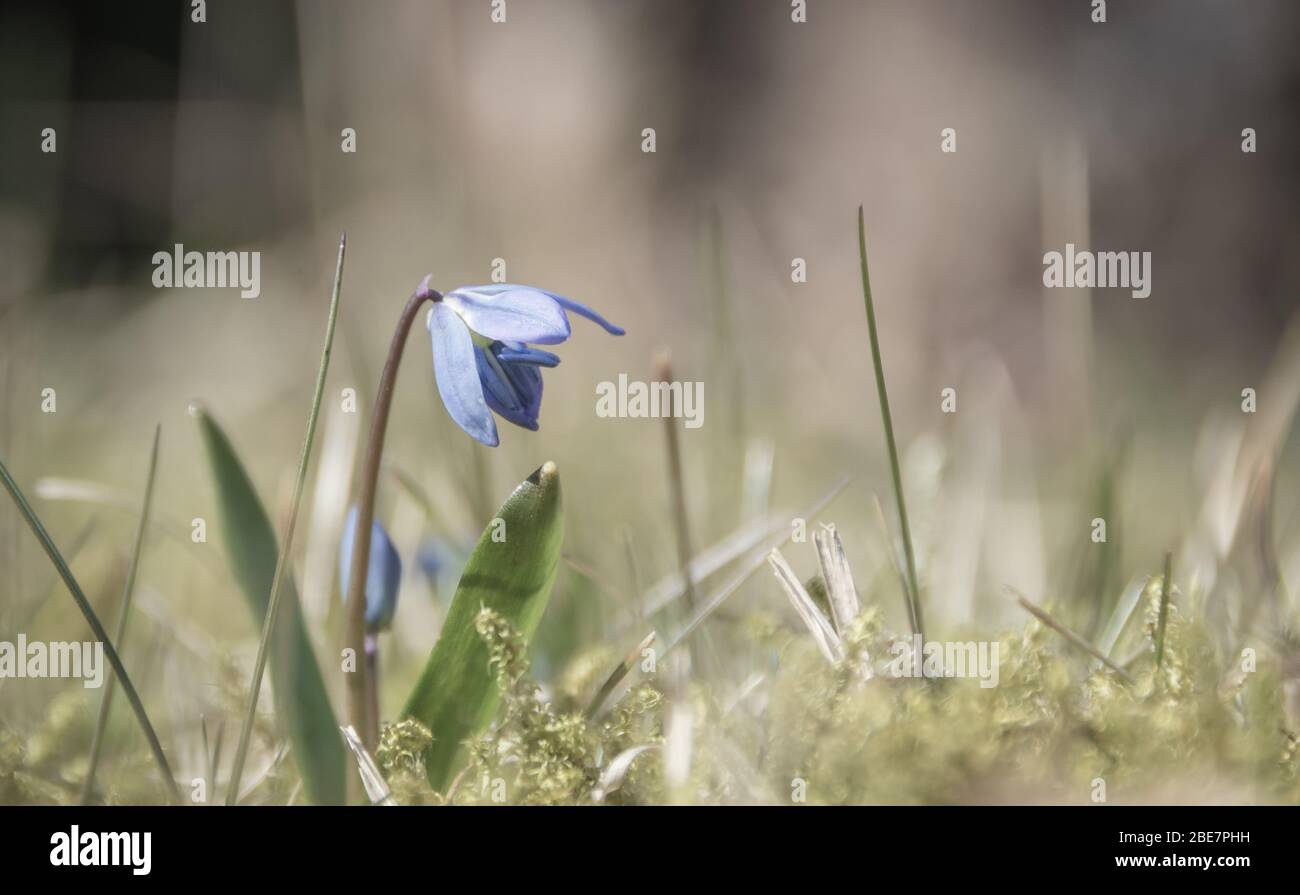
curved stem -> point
(355, 627)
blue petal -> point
(517, 415)
(489, 288)
(517, 314)
(526, 354)
(497, 389)
(584, 311)
(383, 573)
(502, 393)
(527, 380)
(456, 371)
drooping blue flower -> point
(482, 359)
(383, 572)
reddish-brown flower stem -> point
(359, 707)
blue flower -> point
(482, 357)
(383, 572)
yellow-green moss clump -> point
(1057, 727)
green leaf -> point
(511, 571)
(301, 700)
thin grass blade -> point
(106, 700)
(34, 522)
(320, 762)
(914, 596)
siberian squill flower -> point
(483, 354)
(383, 573)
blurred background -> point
(523, 141)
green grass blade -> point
(93, 620)
(301, 699)
(282, 560)
(106, 700)
(914, 598)
(456, 696)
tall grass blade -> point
(511, 572)
(319, 756)
(106, 701)
(914, 597)
(34, 522)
